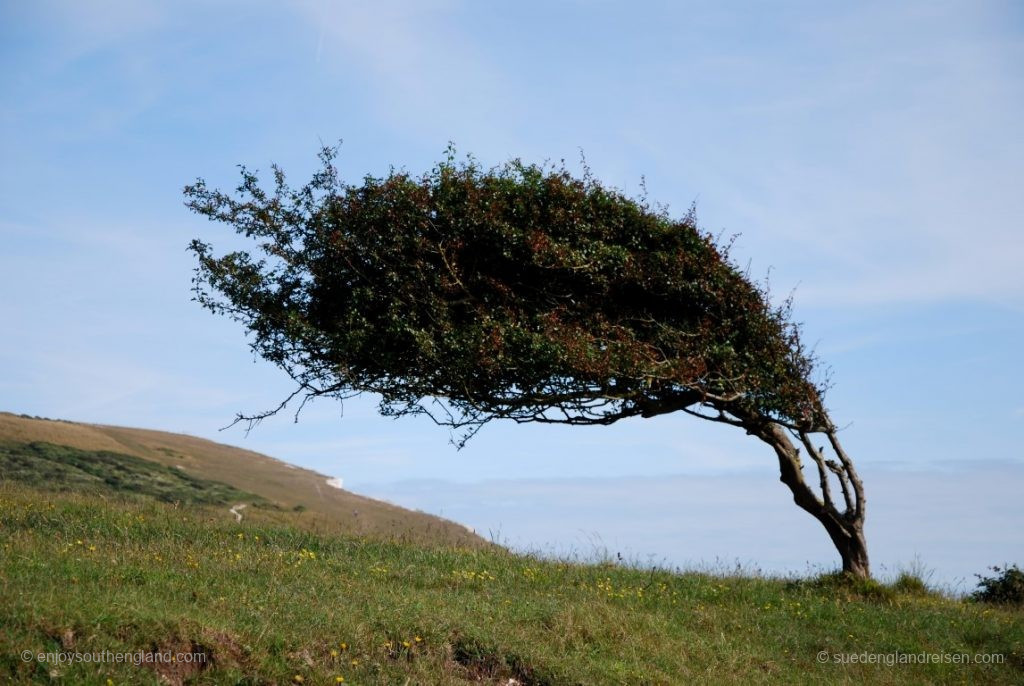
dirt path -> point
(236, 510)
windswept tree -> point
(524, 293)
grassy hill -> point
(106, 551)
(244, 477)
(263, 603)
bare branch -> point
(819, 460)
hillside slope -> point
(300, 496)
(249, 603)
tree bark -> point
(845, 528)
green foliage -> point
(1006, 587)
(910, 584)
(519, 292)
(851, 586)
(268, 602)
(63, 468)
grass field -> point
(275, 603)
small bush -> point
(1007, 587)
(852, 586)
(910, 584)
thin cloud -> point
(868, 161)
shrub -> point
(910, 584)
(1007, 587)
(850, 586)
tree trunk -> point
(845, 528)
(855, 556)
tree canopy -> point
(515, 292)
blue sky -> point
(869, 154)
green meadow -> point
(268, 602)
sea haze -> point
(947, 523)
